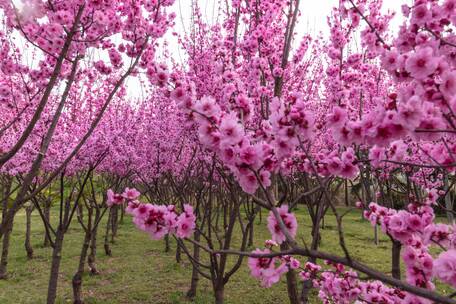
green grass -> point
(141, 272)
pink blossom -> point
(257, 265)
(448, 85)
(288, 219)
(421, 15)
(449, 7)
(160, 220)
(337, 118)
(179, 94)
(422, 63)
(410, 112)
(248, 182)
(294, 263)
(230, 130)
(335, 165)
(132, 205)
(391, 60)
(270, 243)
(432, 196)
(437, 234)
(349, 171)
(228, 153)
(114, 198)
(414, 222)
(398, 150)
(131, 194)
(377, 155)
(268, 270)
(249, 155)
(186, 222)
(265, 178)
(445, 267)
(208, 107)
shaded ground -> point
(141, 272)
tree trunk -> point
(167, 248)
(291, 281)
(376, 235)
(5, 252)
(219, 293)
(5, 196)
(91, 260)
(122, 214)
(107, 248)
(178, 254)
(191, 293)
(251, 235)
(47, 215)
(260, 211)
(225, 218)
(396, 260)
(6, 237)
(77, 278)
(114, 222)
(448, 201)
(80, 212)
(307, 285)
(55, 265)
(28, 230)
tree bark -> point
(28, 230)
(376, 235)
(167, 248)
(219, 293)
(251, 235)
(5, 196)
(107, 248)
(448, 201)
(292, 287)
(47, 215)
(5, 252)
(55, 265)
(191, 293)
(114, 223)
(260, 212)
(122, 214)
(396, 260)
(307, 285)
(6, 238)
(91, 260)
(77, 278)
(178, 254)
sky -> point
(314, 12)
(312, 21)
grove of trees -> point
(101, 123)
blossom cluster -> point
(270, 269)
(415, 229)
(160, 220)
(422, 83)
(289, 220)
(338, 285)
(157, 220)
(113, 199)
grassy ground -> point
(141, 272)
